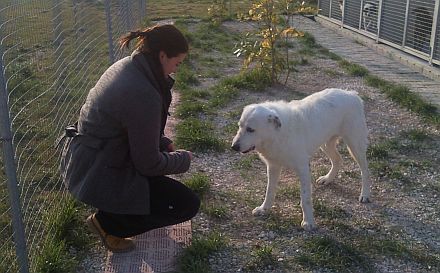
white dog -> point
(286, 134)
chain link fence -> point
(52, 53)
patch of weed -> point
(416, 135)
(353, 69)
(289, 192)
(215, 211)
(199, 183)
(191, 109)
(247, 163)
(275, 221)
(222, 94)
(402, 95)
(329, 213)
(262, 257)
(253, 80)
(327, 252)
(194, 258)
(196, 135)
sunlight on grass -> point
(195, 257)
(199, 183)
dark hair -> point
(152, 40)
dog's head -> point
(256, 126)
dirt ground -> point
(406, 186)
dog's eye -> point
(249, 130)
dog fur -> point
(287, 134)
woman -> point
(117, 155)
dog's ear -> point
(275, 120)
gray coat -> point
(117, 148)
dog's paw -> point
(260, 211)
(364, 199)
(323, 180)
(308, 226)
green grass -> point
(253, 80)
(199, 183)
(64, 231)
(198, 136)
(261, 257)
(247, 163)
(416, 135)
(282, 224)
(333, 254)
(186, 76)
(216, 211)
(353, 69)
(195, 257)
(222, 95)
(378, 151)
(396, 92)
(161, 9)
(55, 258)
(332, 213)
(289, 192)
(192, 109)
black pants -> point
(171, 202)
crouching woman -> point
(116, 158)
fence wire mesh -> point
(52, 52)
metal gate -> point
(409, 25)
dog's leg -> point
(329, 148)
(358, 151)
(308, 222)
(273, 176)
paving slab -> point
(381, 60)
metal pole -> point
(405, 26)
(342, 8)
(111, 50)
(361, 16)
(435, 23)
(330, 9)
(11, 174)
(379, 20)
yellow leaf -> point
(292, 32)
(265, 43)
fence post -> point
(435, 22)
(11, 174)
(405, 26)
(342, 14)
(379, 20)
(143, 12)
(108, 17)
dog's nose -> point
(235, 147)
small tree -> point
(262, 46)
(218, 10)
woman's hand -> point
(171, 148)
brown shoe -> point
(113, 243)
